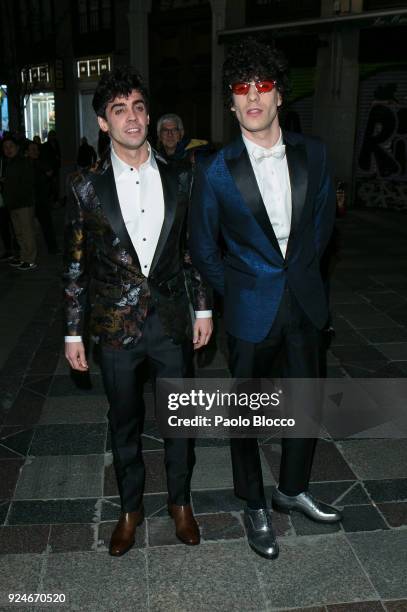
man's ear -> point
(279, 99)
(103, 124)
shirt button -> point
(132, 169)
(137, 182)
(145, 266)
(144, 239)
(142, 210)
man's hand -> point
(202, 332)
(75, 354)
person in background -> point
(51, 155)
(18, 195)
(42, 193)
(86, 154)
(172, 143)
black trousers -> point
(123, 382)
(291, 349)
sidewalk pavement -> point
(59, 500)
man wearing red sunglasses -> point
(270, 196)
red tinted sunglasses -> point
(241, 88)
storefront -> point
(39, 101)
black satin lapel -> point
(242, 172)
(105, 188)
(170, 185)
(298, 170)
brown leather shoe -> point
(186, 527)
(123, 536)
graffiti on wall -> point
(382, 160)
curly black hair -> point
(119, 82)
(249, 59)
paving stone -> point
(282, 524)
(328, 462)
(9, 474)
(383, 555)
(15, 442)
(394, 513)
(74, 409)
(72, 538)
(368, 319)
(227, 578)
(26, 409)
(304, 526)
(98, 582)
(387, 490)
(38, 384)
(105, 533)
(61, 476)
(393, 351)
(155, 505)
(80, 439)
(76, 384)
(323, 569)
(110, 509)
(216, 500)
(19, 573)
(221, 526)
(355, 496)
(384, 334)
(330, 492)
(53, 511)
(367, 369)
(211, 442)
(348, 337)
(362, 518)
(376, 459)
(356, 354)
(396, 606)
(359, 606)
(4, 506)
(161, 532)
(23, 539)
(205, 477)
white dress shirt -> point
(271, 171)
(141, 200)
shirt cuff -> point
(203, 314)
(73, 339)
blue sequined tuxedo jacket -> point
(251, 272)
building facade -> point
(349, 79)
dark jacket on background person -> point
(18, 186)
(86, 155)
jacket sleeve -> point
(75, 276)
(204, 231)
(199, 292)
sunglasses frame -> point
(248, 83)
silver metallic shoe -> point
(260, 532)
(308, 505)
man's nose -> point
(252, 94)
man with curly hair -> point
(270, 196)
(125, 255)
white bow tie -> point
(278, 152)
